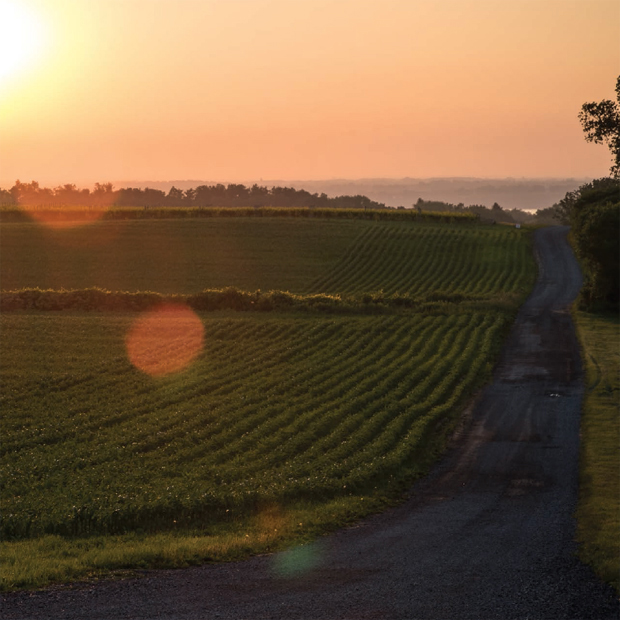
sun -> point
(22, 39)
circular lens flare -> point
(299, 561)
(165, 340)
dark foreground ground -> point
(488, 535)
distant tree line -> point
(219, 195)
(494, 214)
(236, 195)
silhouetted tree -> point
(190, 197)
(6, 198)
(233, 195)
(175, 197)
(601, 124)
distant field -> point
(174, 256)
(298, 255)
(323, 415)
(433, 260)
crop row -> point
(272, 409)
(432, 261)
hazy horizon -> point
(8, 183)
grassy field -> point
(598, 513)
(284, 426)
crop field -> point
(432, 261)
(174, 256)
(273, 408)
(297, 255)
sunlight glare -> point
(165, 340)
(23, 38)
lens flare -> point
(65, 206)
(298, 561)
(165, 340)
(62, 218)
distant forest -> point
(219, 195)
(236, 195)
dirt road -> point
(488, 535)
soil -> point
(489, 534)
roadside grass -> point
(291, 528)
(272, 529)
(598, 512)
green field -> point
(274, 409)
(174, 256)
(297, 255)
(315, 418)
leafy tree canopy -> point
(601, 124)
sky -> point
(234, 90)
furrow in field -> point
(362, 423)
(358, 400)
(394, 424)
(181, 394)
(333, 280)
(286, 392)
(175, 394)
(295, 431)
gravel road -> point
(489, 534)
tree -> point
(595, 224)
(175, 197)
(6, 198)
(601, 124)
(561, 211)
(190, 196)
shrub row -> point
(230, 298)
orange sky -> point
(226, 90)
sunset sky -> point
(234, 90)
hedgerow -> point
(222, 299)
(73, 213)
